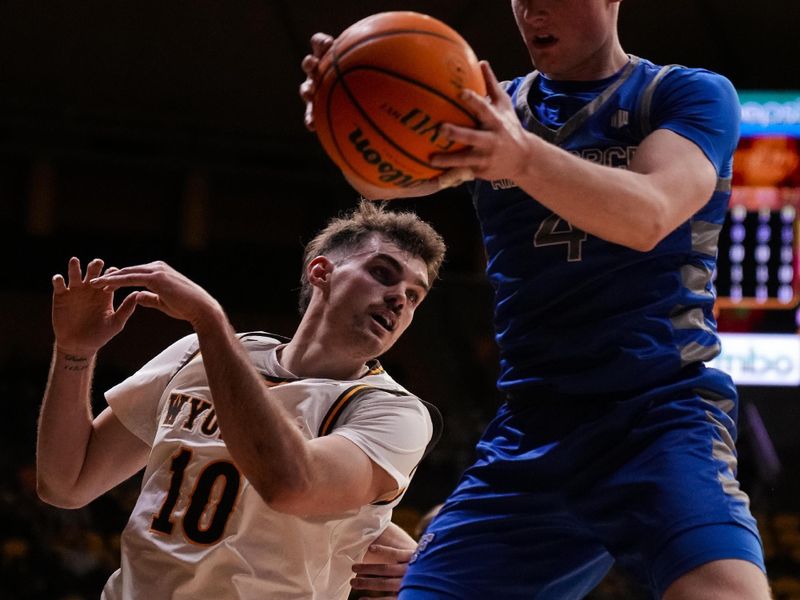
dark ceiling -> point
(223, 75)
(172, 129)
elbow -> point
(645, 236)
(288, 505)
(60, 498)
(288, 498)
(660, 215)
(48, 496)
(646, 239)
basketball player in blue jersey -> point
(601, 182)
(270, 465)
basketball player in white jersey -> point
(270, 464)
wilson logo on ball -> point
(385, 171)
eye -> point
(413, 297)
(381, 273)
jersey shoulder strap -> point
(194, 348)
(352, 393)
(645, 103)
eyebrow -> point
(399, 267)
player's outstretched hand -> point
(500, 148)
(84, 318)
(165, 289)
(382, 571)
(320, 44)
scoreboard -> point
(758, 258)
(758, 262)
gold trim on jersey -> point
(339, 405)
(375, 368)
(389, 500)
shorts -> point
(563, 488)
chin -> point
(369, 345)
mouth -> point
(542, 41)
(385, 320)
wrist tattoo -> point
(76, 363)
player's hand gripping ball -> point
(386, 86)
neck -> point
(612, 64)
(312, 353)
(603, 63)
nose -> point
(532, 11)
(395, 298)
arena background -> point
(173, 130)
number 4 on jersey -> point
(549, 234)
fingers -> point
(148, 299)
(308, 117)
(74, 275)
(114, 281)
(59, 286)
(482, 107)
(307, 90)
(465, 135)
(375, 584)
(379, 553)
(309, 65)
(380, 570)
(73, 271)
(93, 269)
(468, 161)
(455, 177)
(321, 43)
(497, 95)
(382, 576)
(493, 88)
(366, 584)
(309, 87)
(138, 275)
(125, 310)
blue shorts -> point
(564, 488)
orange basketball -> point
(387, 85)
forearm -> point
(264, 442)
(617, 205)
(65, 427)
(667, 180)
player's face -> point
(374, 293)
(570, 39)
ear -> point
(319, 270)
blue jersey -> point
(575, 314)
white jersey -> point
(200, 530)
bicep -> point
(680, 173)
(113, 455)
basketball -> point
(385, 88)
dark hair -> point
(348, 232)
